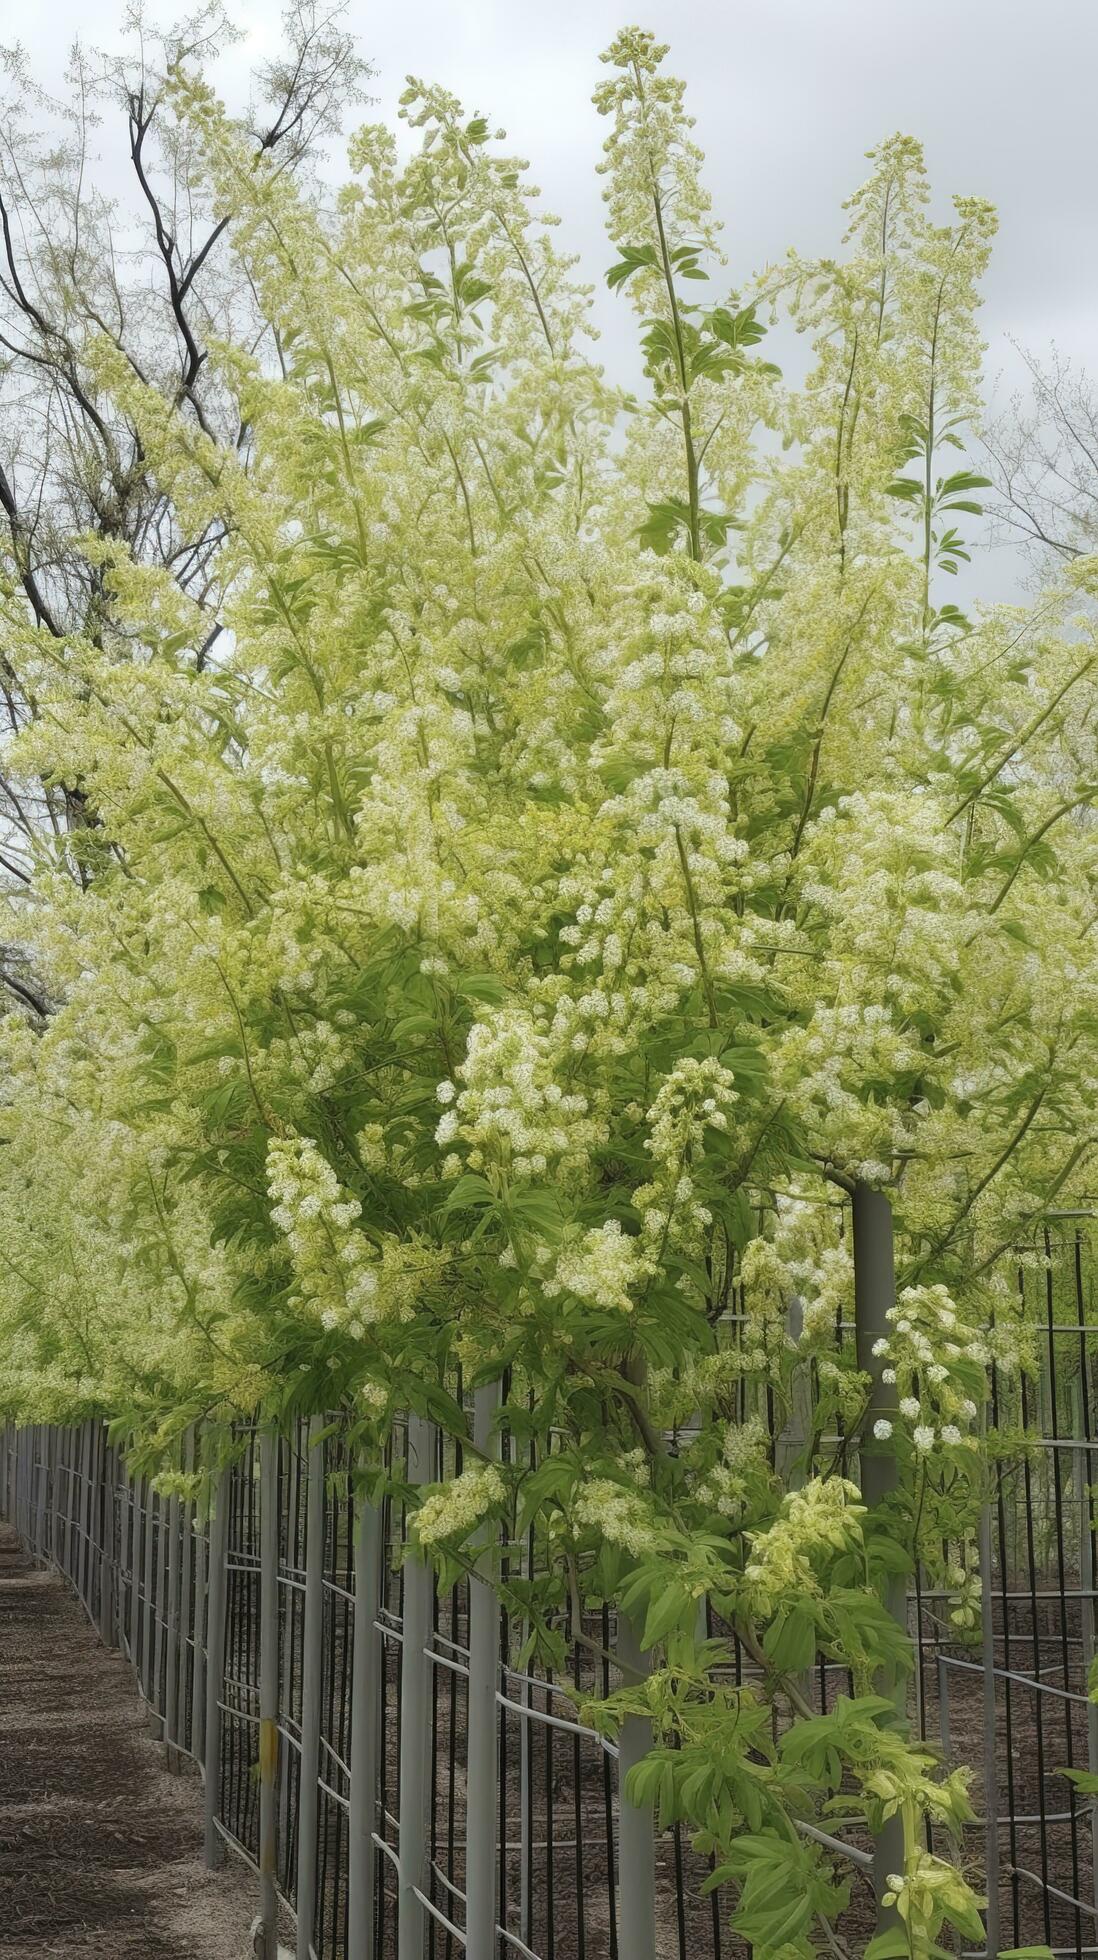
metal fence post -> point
(160, 1612)
(312, 1669)
(991, 1766)
(42, 1479)
(109, 1590)
(636, 1839)
(874, 1295)
(148, 1590)
(198, 1689)
(136, 1569)
(1081, 1471)
(215, 1663)
(172, 1632)
(186, 1609)
(268, 1688)
(415, 1719)
(87, 1471)
(58, 1452)
(482, 1726)
(78, 1488)
(76, 1507)
(366, 1743)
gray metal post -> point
(482, 1761)
(172, 1633)
(268, 1689)
(76, 1486)
(60, 1451)
(636, 1840)
(41, 1493)
(109, 1590)
(136, 1569)
(415, 1722)
(366, 1674)
(874, 1295)
(160, 1615)
(312, 1669)
(148, 1590)
(53, 1451)
(198, 1691)
(65, 1445)
(44, 1536)
(89, 1510)
(76, 1506)
(48, 1447)
(991, 1764)
(186, 1611)
(1081, 1470)
(215, 1663)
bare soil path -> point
(100, 1848)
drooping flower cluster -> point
(455, 1508)
(812, 1524)
(334, 1265)
(512, 1115)
(938, 1366)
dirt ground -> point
(100, 1847)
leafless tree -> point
(152, 269)
(1043, 455)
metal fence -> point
(370, 1749)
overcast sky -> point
(788, 95)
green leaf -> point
(631, 260)
(963, 480)
(893, 1945)
(736, 330)
(1085, 1780)
(665, 522)
(668, 1609)
(790, 1639)
(470, 1192)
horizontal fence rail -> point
(368, 1747)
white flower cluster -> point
(826, 1516)
(599, 1268)
(693, 1098)
(620, 1516)
(512, 1113)
(334, 1263)
(929, 1355)
(800, 1260)
(844, 1075)
(728, 1485)
(454, 1508)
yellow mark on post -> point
(268, 1750)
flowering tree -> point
(591, 853)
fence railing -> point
(365, 1743)
(369, 1748)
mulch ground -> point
(100, 1847)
